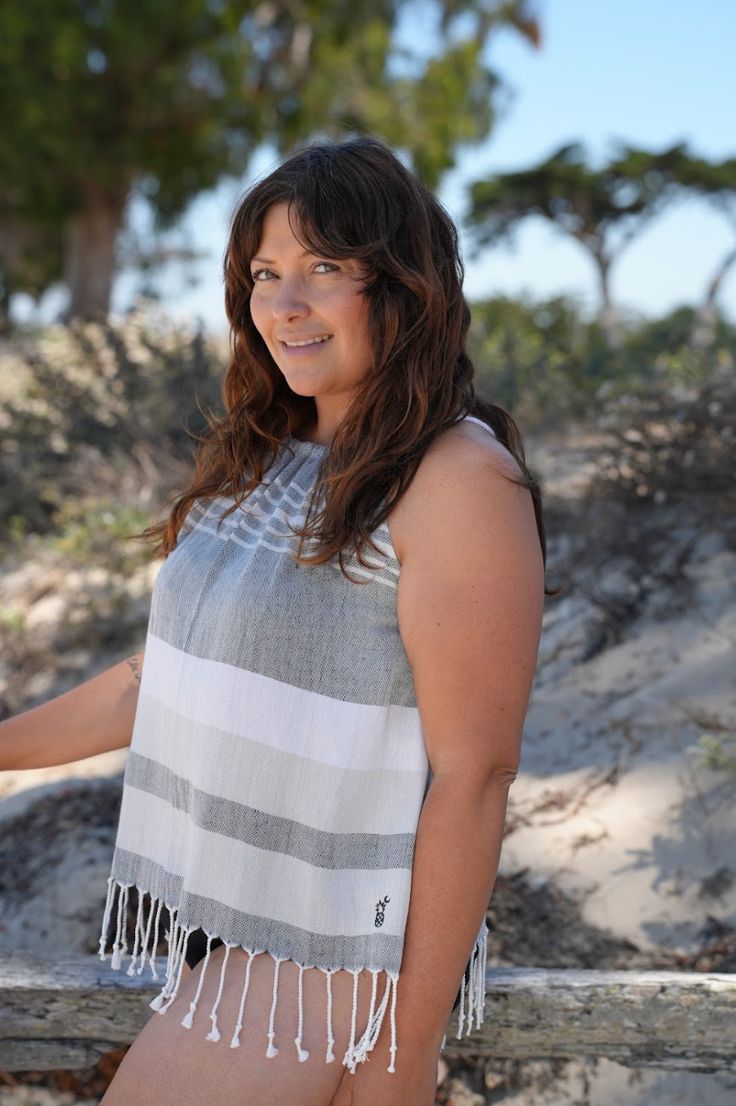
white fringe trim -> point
(474, 990)
(144, 947)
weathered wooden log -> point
(638, 1018)
(67, 1012)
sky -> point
(647, 72)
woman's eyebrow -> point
(269, 261)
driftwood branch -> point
(68, 1012)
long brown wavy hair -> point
(349, 199)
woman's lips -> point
(306, 345)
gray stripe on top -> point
(378, 951)
(266, 831)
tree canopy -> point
(604, 208)
(177, 94)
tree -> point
(589, 205)
(716, 183)
(173, 96)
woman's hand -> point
(414, 1083)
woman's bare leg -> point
(169, 1065)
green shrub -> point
(94, 406)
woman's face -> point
(312, 315)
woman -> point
(342, 642)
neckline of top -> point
(307, 444)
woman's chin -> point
(302, 380)
(307, 389)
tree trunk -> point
(89, 262)
(721, 273)
(608, 315)
(704, 331)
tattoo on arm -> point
(135, 666)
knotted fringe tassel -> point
(475, 989)
(138, 935)
(173, 938)
(188, 1018)
(480, 1000)
(120, 944)
(272, 1051)
(461, 1012)
(111, 886)
(361, 1050)
(348, 1058)
(155, 938)
(177, 956)
(301, 1052)
(330, 1055)
(235, 1042)
(177, 940)
(146, 942)
(358, 1053)
(392, 1065)
(178, 966)
(214, 1033)
(151, 955)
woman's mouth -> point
(305, 343)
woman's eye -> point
(259, 276)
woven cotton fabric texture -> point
(277, 767)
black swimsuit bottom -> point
(197, 950)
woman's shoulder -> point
(464, 470)
(468, 440)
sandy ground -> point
(611, 803)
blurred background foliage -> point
(104, 101)
(107, 408)
(168, 98)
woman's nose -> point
(290, 300)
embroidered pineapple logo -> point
(381, 911)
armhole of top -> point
(475, 419)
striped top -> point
(277, 767)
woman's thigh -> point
(169, 1065)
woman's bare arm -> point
(93, 718)
(470, 604)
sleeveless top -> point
(277, 767)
